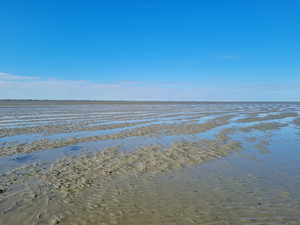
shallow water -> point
(191, 163)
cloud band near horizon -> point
(21, 87)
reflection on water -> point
(209, 163)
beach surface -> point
(119, 162)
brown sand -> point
(155, 183)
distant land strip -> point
(83, 102)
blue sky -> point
(228, 50)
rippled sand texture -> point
(149, 163)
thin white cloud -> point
(8, 76)
(52, 89)
(177, 83)
(267, 87)
(128, 82)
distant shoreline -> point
(92, 102)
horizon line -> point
(200, 101)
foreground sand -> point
(149, 163)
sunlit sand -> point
(149, 163)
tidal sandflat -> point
(149, 163)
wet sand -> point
(149, 163)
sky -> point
(191, 50)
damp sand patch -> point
(91, 170)
(155, 183)
(65, 128)
(150, 185)
(296, 121)
(264, 127)
(266, 118)
(154, 130)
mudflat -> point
(119, 162)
